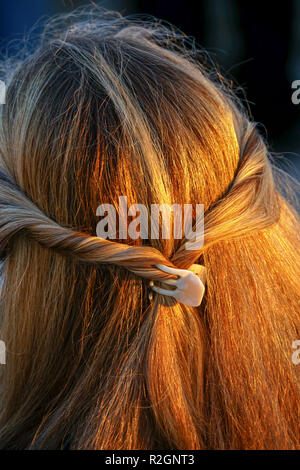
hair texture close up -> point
(104, 106)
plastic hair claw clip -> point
(189, 287)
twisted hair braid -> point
(108, 106)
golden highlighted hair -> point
(108, 106)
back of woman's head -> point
(108, 106)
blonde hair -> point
(110, 106)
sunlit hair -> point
(108, 106)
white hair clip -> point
(189, 287)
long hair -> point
(105, 106)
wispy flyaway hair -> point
(108, 106)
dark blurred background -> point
(256, 43)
